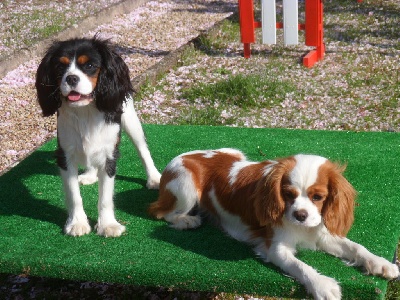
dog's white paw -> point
(325, 288)
(77, 228)
(382, 267)
(110, 230)
(89, 177)
(153, 181)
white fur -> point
(304, 174)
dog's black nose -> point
(72, 80)
(300, 215)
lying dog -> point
(302, 200)
(88, 85)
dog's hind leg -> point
(176, 200)
(132, 126)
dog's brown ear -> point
(47, 88)
(338, 209)
(269, 203)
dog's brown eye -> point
(89, 66)
(289, 195)
(317, 197)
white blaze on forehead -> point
(305, 172)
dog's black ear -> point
(113, 83)
(47, 88)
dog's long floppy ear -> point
(338, 209)
(269, 203)
(47, 87)
(113, 83)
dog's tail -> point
(165, 204)
(154, 210)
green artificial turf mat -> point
(32, 215)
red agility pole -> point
(313, 28)
(246, 16)
(314, 32)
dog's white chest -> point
(85, 137)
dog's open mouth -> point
(75, 96)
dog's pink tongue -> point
(74, 96)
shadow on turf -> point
(207, 240)
(17, 198)
(20, 199)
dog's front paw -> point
(110, 230)
(77, 228)
(325, 288)
(153, 181)
(382, 267)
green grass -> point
(242, 91)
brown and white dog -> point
(87, 84)
(276, 206)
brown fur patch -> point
(209, 172)
(212, 173)
(270, 199)
(319, 190)
(338, 208)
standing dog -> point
(88, 85)
(302, 200)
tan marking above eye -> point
(64, 60)
(82, 59)
(317, 193)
